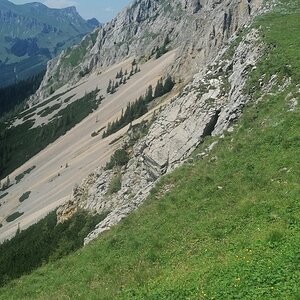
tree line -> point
(122, 77)
(14, 95)
(18, 144)
(138, 108)
(43, 242)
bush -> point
(24, 196)
(119, 158)
(115, 184)
(19, 177)
(14, 216)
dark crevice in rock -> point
(210, 126)
(227, 22)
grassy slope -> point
(229, 227)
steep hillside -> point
(32, 33)
(225, 225)
(62, 134)
(50, 147)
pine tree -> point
(169, 84)
(167, 40)
(159, 89)
(109, 87)
(149, 94)
(113, 87)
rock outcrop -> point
(208, 105)
(197, 28)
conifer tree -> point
(159, 89)
(168, 85)
(149, 94)
(109, 87)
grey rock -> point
(198, 29)
(209, 104)
(176, 133)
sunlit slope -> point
(222, 227)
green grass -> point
(228, 227)
(42, 242)
(76, 54)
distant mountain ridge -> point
(33, 33)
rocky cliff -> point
(148, 28)
(209, 105)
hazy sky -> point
(103, 10)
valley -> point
(31, 34)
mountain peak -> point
(70, 9)
(93, 22)
(32, 33)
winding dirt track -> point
(77, 148)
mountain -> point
(142, 30)
(114, 77)
(175, 127)
(93, 22)
(32, 33)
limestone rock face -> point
(208, 105)
(197, 28)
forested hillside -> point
(14, 97)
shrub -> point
(14, 216)
(24, 196)
(115, 185)
(19, 177)
(118, 159)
